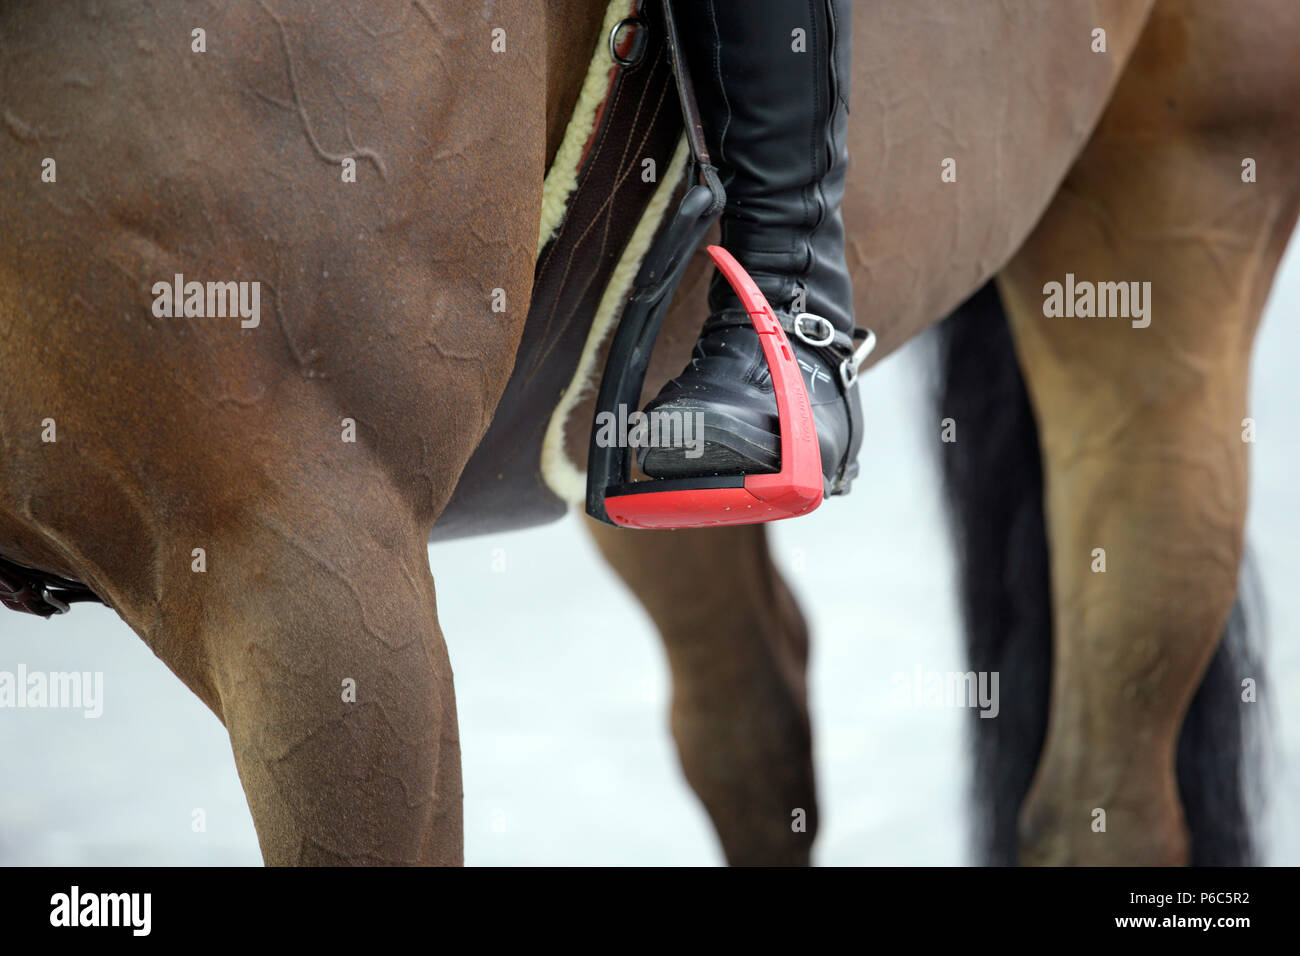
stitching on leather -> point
(600, 217)
(716, 57)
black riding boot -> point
(772, 79)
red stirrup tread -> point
(794, 490)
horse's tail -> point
(994, 491)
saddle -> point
(608, 193)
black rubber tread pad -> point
(730, 448)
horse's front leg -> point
(1142, 418)
(312, 632)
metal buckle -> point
(827, 337)
(639, 41)
(850, 366)
(52, 601)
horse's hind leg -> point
(1142, 427)
(312, 633)
(738, 648)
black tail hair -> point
(993, 483)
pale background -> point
(563, 687)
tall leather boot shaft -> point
(772, 79)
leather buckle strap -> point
(826, 331)
(694, 125)
(838, 349)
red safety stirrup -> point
(724, 500)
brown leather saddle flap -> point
(502, 487)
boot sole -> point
(730, 447)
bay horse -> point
(255, 500)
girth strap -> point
(39, 592)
